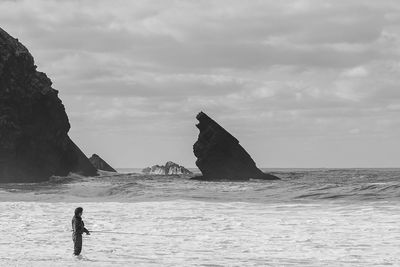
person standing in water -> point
(78, 228)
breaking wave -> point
(303, 185)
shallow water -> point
(310, 218)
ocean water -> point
(312, 217)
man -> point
(78, 228)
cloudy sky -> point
(299, 83)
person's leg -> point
(74, 240)
(77, 244)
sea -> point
(311, 217)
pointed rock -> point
(34, 142)
(220, 156)
(100, 164)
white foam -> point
(194, 233)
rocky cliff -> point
(100, 164)
(170, 168)
(220, 156)
(34, 142)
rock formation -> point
(100, 164)
(34, 142)
(170, 168)
(220, 156)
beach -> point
(168, 228)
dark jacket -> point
(78, 227)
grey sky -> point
(299, 83)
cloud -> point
(299, 73)
(356, 72)
(355, 131)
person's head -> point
(78, 211)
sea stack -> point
(34, 141)
(170, 168)
(100, 164)
(221, 157)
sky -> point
(304, 83)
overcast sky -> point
(299, 83)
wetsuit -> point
(78, 228)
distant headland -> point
(34, 141)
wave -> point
(296, 185)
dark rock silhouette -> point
(34, 142)
(220, 156)
(170, 168)
(100, 164)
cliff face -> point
(220, 156)
(170, 168)
(34, 142)
(100, 164)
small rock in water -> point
(100, 164)
(170, 168)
